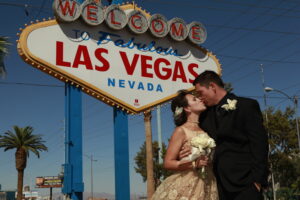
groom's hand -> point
(185, 150)
(201, 161)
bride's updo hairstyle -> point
(178, 104)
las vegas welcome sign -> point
(120, 55)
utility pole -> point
(92, 181)
(267, 124)
(158, 113)
(295, 100)
(92, 176)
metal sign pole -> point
(73, 183)
(73, 179)
(121, 150)
(158, 113)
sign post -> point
(121, 153)
(121, 150)
(73, 182)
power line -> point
(252, 29)
(291, 86)
(239, 28)
(254, 5)
(30, 84)
(232, 19)
(25, 6)
(41, 8)
(267, 53)
(258, 59)
(233, 32)
(220, 9)
(254, 71)
(244, 58)
(253, 52)
(276, 105)
(246, 34)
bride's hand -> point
(201, 161)
(185, 150)
(185, 164)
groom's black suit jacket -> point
(241, 155)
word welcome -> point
(94, 14)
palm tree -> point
(23, 141)
(3, 51)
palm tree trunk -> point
(20, 184)
(21, 160)
(149, 155)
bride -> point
(186, 184)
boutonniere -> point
(231, 105)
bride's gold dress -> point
(188, 185)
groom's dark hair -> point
(207, 77)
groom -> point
(241, 156)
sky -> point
(242, 34)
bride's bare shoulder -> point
(178, 132)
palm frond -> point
(3, 52)
(23, 138)
(4, 44)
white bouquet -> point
(201, 145)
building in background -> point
(7, 195)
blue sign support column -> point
(122, 183)
(73, 182)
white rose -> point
(195, 153)
(211, 143)
(199, 140)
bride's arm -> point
(171, 161)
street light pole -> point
(92, 181)
(294, 99)
(267, 124)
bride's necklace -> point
(195, 122)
